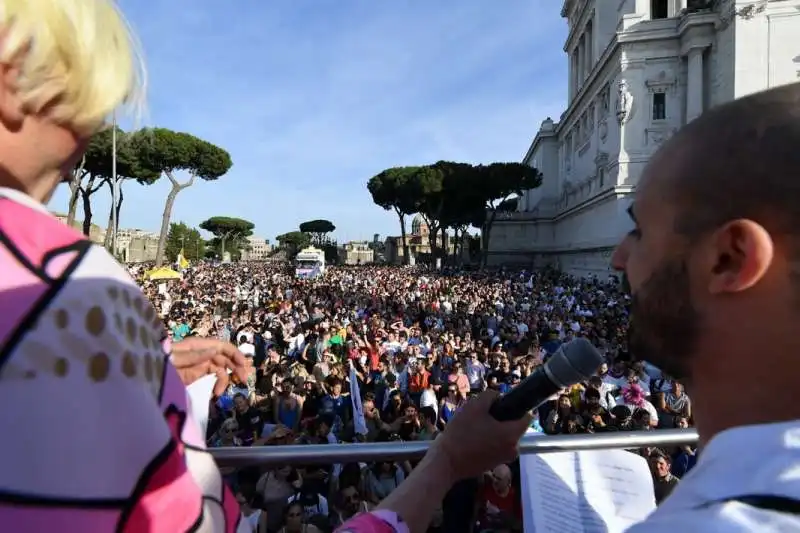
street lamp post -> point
(114, 187)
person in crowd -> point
(275, 487)
(500, 508)
(428, 430)
(350, 504)
(382, 478)
(634, 397)
(449, 404)
(673, 404)
(255, 518)
(558, 418)
(295, 521)
(286, 408)
(665, 481)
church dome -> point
(417, 223)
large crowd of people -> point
(420, 343)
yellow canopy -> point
(162, 273)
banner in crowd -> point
(359, 423)
(183, 263)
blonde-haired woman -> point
(107, 442)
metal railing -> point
(380, 451)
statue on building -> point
(624, 102)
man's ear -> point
(740, 253)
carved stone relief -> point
(604, 101)
(657, 136)
(624, 104)
(602, 130)
(663, 82)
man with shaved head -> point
(500, 508)
(713, 264)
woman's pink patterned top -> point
(99, 436)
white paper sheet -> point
(199, 398)
(585, 492)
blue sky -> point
(313, 97)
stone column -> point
(573, 73)
(694, 84)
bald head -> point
(502, 472)
(740, 160)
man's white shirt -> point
(758, 460)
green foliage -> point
(330, 247)
(96, 169)
(230, 234)
(318, 230)
(228, 226)
(391, 189)
(317, 226)
(182, 236)
(167, 152)
(99, 157)
(452, 195)
(293, 241)
(234, 246)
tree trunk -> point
(108, 241)
(403, 237)
(119, 204)
(75, 191)
(165, 218)
(485, 233)
(87, 206)
(110, 225)
(456, 243)
(445, 253)
(433, 234)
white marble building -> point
(639, 70)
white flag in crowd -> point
(359, 423)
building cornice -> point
(575, 30)
(589, 87)
(566, 7)
(659, 30)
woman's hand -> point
(196, 357)
(475, 442)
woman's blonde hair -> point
(78, 59)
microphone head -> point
(573, 362)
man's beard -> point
(664, 324)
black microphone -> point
(573, 362)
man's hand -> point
(196, 357)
